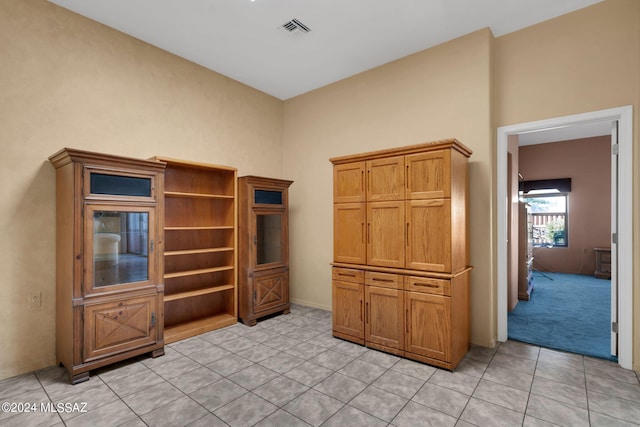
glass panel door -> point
(119, 246)
(269, 238)
(102, 183)
(267, 197)
(120, 185)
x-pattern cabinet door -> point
(270, 289)
(111, 327)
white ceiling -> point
(243, 39)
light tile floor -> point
(289, 371)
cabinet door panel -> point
(119, 247)
(269, 239)
(429, 175)
(386, 234)
(117, 326)
(348, 308)
(428, 325)
(385, 179)
(348, 183)
(429, 236)
(349, 233)
(270, 290)
(384, 323)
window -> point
(549, 218)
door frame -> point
(624, 116)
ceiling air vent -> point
(295, 25)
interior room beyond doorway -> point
(621, 251)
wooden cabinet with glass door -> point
(108, 259)
(263, 283)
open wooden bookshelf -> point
(200, 233)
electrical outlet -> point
(35, 299)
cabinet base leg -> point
(80, 378)
(157, 353)
(249, 322)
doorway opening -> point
(560, 214)
(621, 217)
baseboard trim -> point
(309, 304)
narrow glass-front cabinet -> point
(263, 284)
(108, 259)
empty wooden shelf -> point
(200, 248)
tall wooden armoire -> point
(401, 251)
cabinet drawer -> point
(348, 275)
(383, 280)
(427, 285)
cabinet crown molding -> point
(409, 149)
(70, 155)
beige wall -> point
(580, 62)
(584, 61)
(588, 163)
(442, 92)
(66, 81)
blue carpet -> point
(572, 313)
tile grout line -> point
(302, 321)
(475, 388)
(533, 379)
(48, 396)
